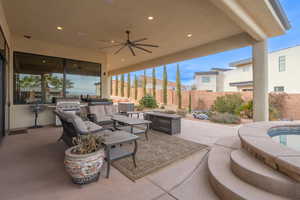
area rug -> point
(160, 151)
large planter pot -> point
(84, 168)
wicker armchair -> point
(74, 126)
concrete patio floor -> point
(32, 168)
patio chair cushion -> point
(76, 120)
(98, 111)
(92, 127)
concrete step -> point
(256, 173)
(227, 185)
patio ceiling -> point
(215, 25)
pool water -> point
(288, 136)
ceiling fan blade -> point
(119, 49)
(146, 45)
(139, 40)
(130, 47)
(141, 48)
(110, 46)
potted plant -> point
(84, 160)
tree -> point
(122, 85)
(135, 87)
(165, 86)
(145, 83)
(178, 87)
(190, 102)
(128, 84)
(30, 82)
(111, 84)
(57, 83)
(154, 82)
(117, 85)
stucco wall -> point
(240, 74)
(289, 78)
(211, 85)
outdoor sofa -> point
(102, 113)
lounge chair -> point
(74, 126)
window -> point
(279, 89)
(281, 63)
(41, 79)
(205, 79)
(283, 139)
(83, 78)
(247, 89)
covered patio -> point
(36, 170)
(69, 37)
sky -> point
(189, 67)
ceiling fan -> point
(132, 44)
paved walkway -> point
(206, 132)
(32, 168)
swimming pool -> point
(288, 136)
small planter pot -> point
(84, 168)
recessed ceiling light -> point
(27, 36)
(43, 61)
(150, 18)
(59, 28)
(112, 41)
(122, 59)
(189, 35)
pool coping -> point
(255, 139)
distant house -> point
(211, 81)
(284, 70)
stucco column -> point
(260, 81)
(105, 82)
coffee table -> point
(113, 147)
(130, 125)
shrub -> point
(246, 110)
(181, 112)
(276, 105)
(148, 101)
(139, 108)
(87, 144)
(230, 103)
(225, 118)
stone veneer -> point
(256, 139)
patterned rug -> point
(160, 151)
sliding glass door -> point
(2, 97)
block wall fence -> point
(202, 100)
